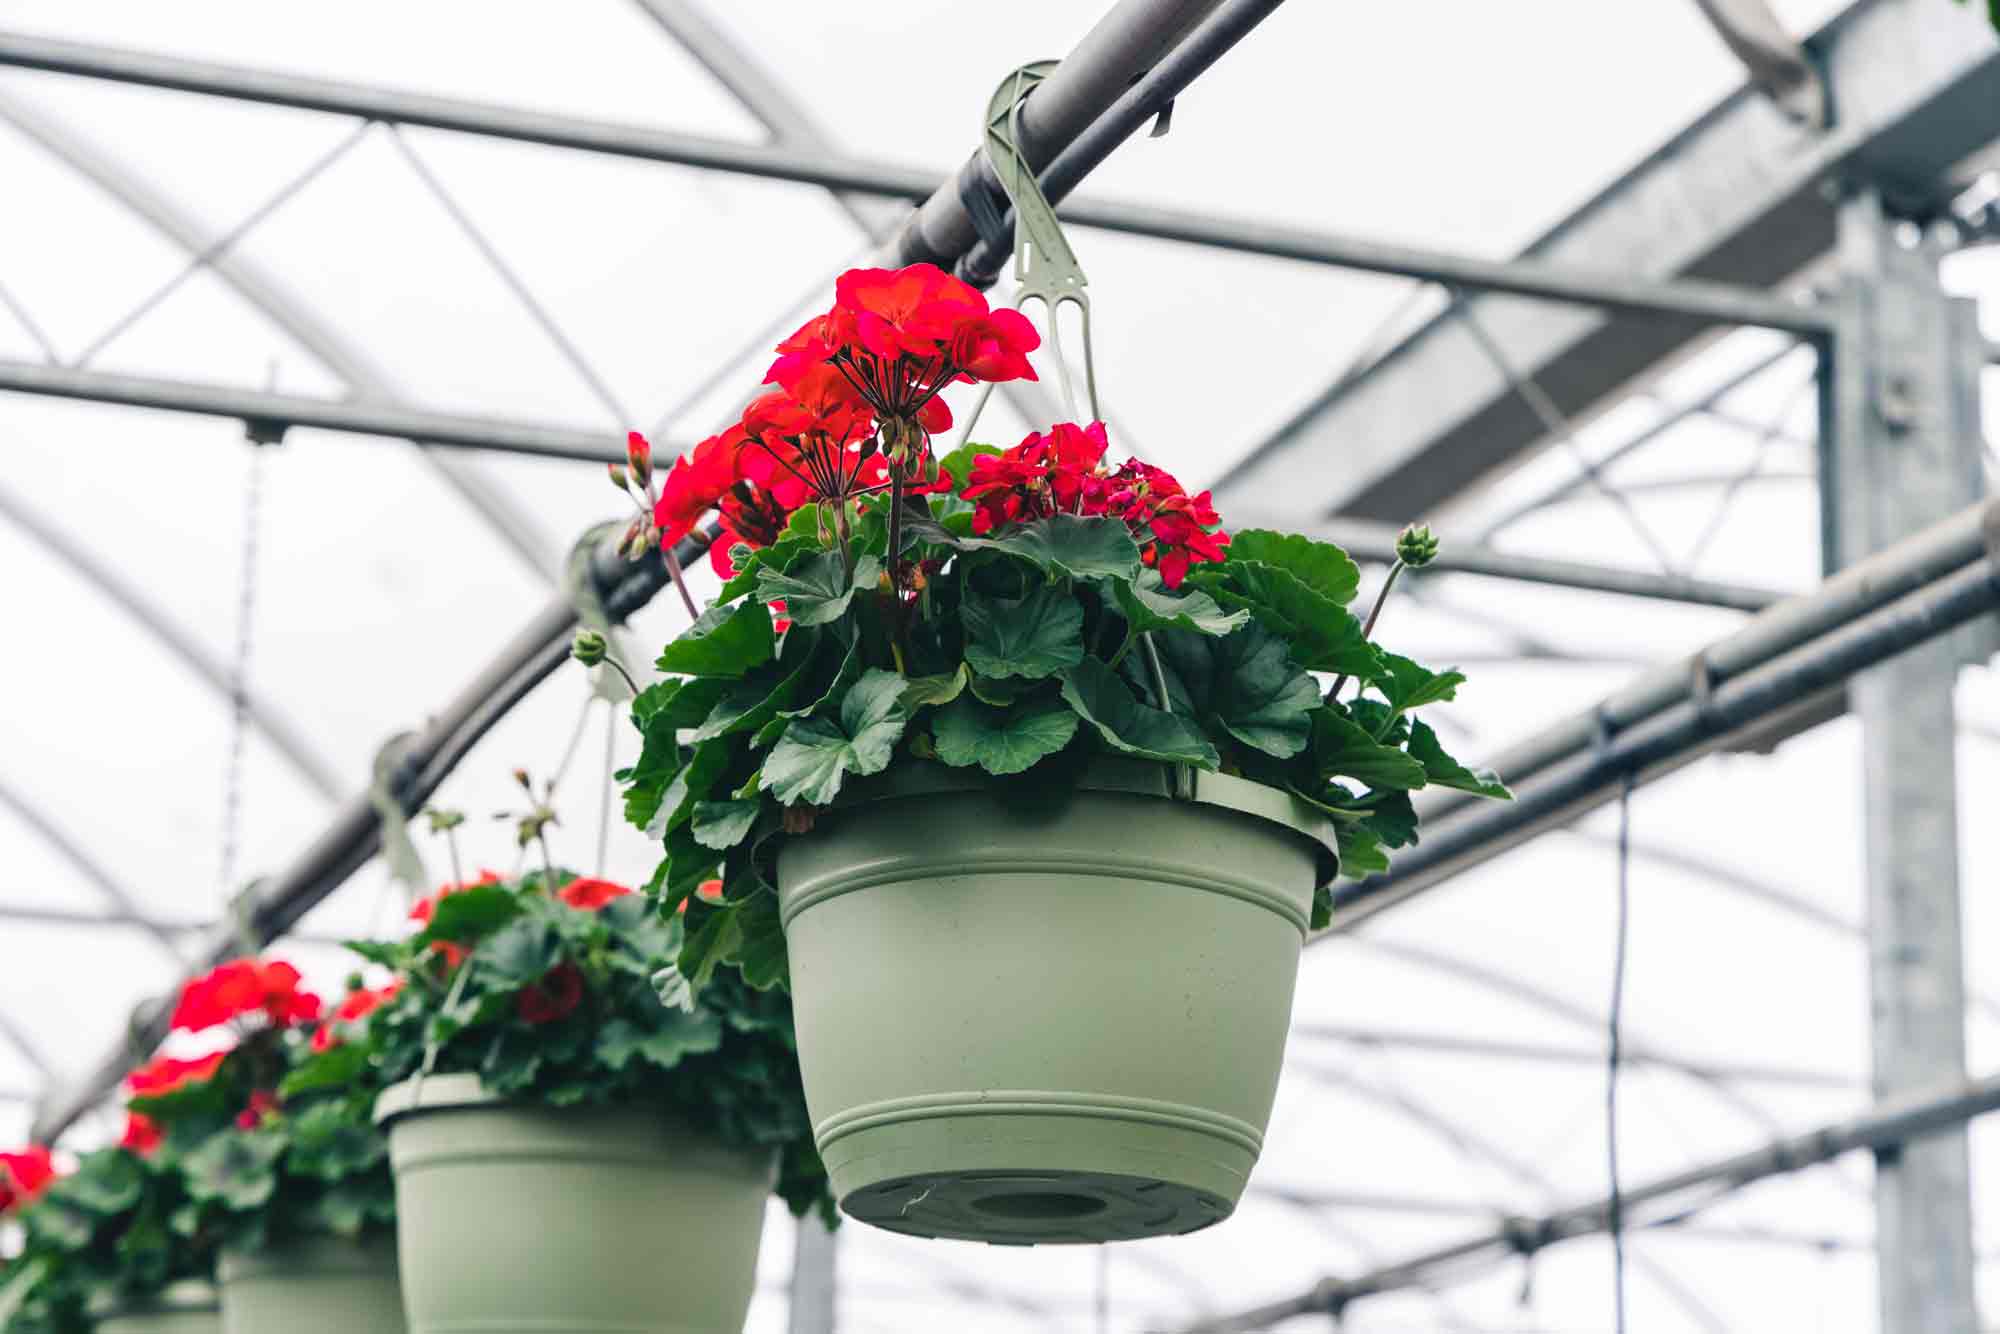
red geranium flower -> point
(24, 1175)
(142, 1134)
(165, 1074)
(1043, 475)
(691, 488)
(555, 997)
(589, 895)
(244, 987)
(262, 1102)
(354, 1007)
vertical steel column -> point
(1897, 451)
(814, 1295)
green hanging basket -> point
(541, 1220)
(325, 1285)
(1031, 1016)
(188, 1307)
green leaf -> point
(331, 1143)
(959, 462)
(1148, 605)
(746, 705)
(104, 1183)
(1245, 684)
(469, 914)
(1322, 634)
(1104, 701)
(1065, 544)
(1034, 636)
(1393, 818)
(1444, 771)
(694, 782)
(336, 1067)
(678, 1034)
(923, 691)
(782, 554)
(687, 865)
(519, 954)
(1410, 685)
(818, 588)
(1360, 852)
(724, 824)
(1322, 909)
(1002, 741)
(237, 1169)
(714, 934)
(724, 641)
(760, 952)
(1342, 746)
(349, 1208)
(813, 756)
(1002, 693)
(1320, 566)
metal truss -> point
(1675, 1195)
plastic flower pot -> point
(540, 1220)
(187, 1307)
(322, 1285)
(1046, 1011)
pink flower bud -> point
(619, 477)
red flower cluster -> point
(263, 1102)
(588, 895)
(165, 1074)
(23, 1176)
(1063, 472)
(355, 1006)
(142, 1134)
(854, 385)
(555, 997)
(244, 987)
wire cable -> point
(1613, 1058)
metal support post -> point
(815, 1290)
(1899, 426)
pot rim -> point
(1119, 774)
(372, 1253)
(192, 1295)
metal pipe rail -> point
(941, 230)
(284, 411)
(1923, 586)
(1659, 1202)
(1131, 38)
(1375, 543)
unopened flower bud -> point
(885, 583)
(619, 477)
(633, 544)
(639, 453)
(442, 820)
(521, 777)
(740, 553)
(1416, 547)
(588, 648)
(356, 982)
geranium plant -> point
(119, 1226)
(1009, 610)
(273, 1129)
(561, 990)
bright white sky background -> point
(1459, 125)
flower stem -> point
(619, 667)
(680, 582)
(548, 863)
(1159, 674)
(451, 846)
(1368, 626)
(1124, 647)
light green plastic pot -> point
(325, 1285)
(541, 1220)
(187, 1307)
(1047, 1020)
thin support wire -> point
(609, 789)
(239, 672)
(1771, 432)
(222, 244)
(1613, 1059)
(27, 322)
(1558, 425)
(513, 280)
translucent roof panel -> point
(1446, 1062)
